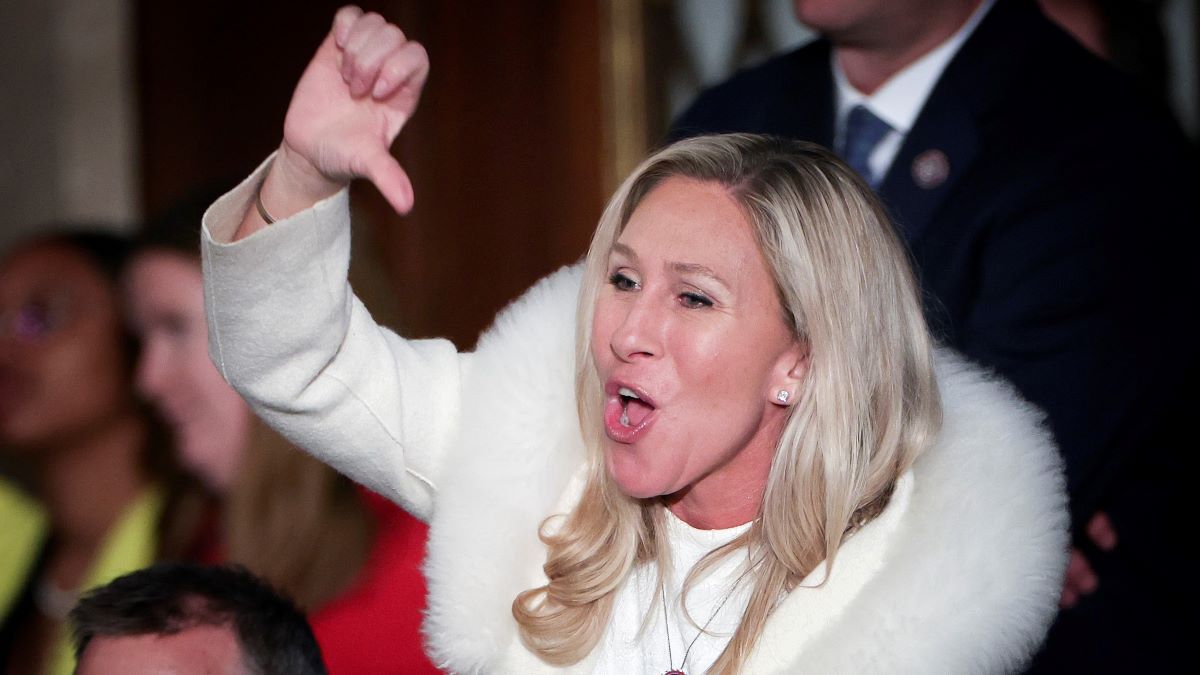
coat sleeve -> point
(290, 336)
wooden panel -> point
(506, 158)
(216, 77)
(506, 151)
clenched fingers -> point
(405, 67)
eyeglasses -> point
(36, 318)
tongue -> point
(637, 411)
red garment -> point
(375, 626)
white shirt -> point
(715, 600)
(899, 101)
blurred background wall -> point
(114, 109)
(69, 135)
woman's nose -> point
(639, 335)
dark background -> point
(505, 152)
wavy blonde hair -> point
(866, 409)
(296, 522)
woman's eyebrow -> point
(676, 267)
(624, 250)
(695, 268)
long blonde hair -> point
(296, 522)
(866, 409)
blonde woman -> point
(722, 444)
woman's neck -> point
(85, 485)
(715, 514)
(733, 494)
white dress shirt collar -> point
(900, 100)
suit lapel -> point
(948, 135)
(803, 105)
(936, 153)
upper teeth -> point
(628, 393)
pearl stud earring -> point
(783, 396)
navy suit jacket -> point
(1057, 251)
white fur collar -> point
(960, 576)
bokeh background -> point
(115, 109)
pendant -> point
(674, 672)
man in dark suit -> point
(1048, 207)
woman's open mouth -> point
(628, 413)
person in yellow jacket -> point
(74, 438)
(130, 544)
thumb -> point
(384, 171)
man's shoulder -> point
(1046, 110)
(788, 66)
(738, 103)
(1019, 62)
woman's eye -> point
(622, 282)
(694, 300)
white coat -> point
(960, 573)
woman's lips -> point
(619, 432)
(627, 418)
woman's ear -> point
(791, 370)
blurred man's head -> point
(866, 23)
(875, 39)
(176, 618)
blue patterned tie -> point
(863, 132)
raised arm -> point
(285, 329)
(361, 87)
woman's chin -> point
(633, 478)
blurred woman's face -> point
(691, 324)
(164, 293)
(63, 360)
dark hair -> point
(167, 598)
(177, 228)
(106, 251)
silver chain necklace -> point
(662, 587)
